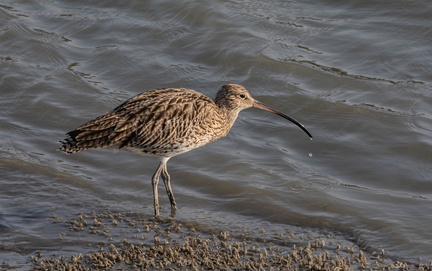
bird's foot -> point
(173, 211)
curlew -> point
(166, 122)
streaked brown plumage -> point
(164, 123)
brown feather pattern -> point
(163, 122)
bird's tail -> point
(79, 140)
(95, 134)
(69, 144)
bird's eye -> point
(242, 96)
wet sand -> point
(134, 242)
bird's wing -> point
(175, 120)
(154, 118)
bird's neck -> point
(227, 112)
(229, 117)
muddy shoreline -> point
(133, 242)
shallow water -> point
(358, 75)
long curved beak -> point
(262, 106)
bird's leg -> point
(155, 181)
(167, 181)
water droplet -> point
(310, 154)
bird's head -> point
(235, 98)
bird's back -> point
(162, 122)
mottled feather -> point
(160, 122)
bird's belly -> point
(169, 150)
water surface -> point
(358, 75)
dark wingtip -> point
(69, 143)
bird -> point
(166, 122)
